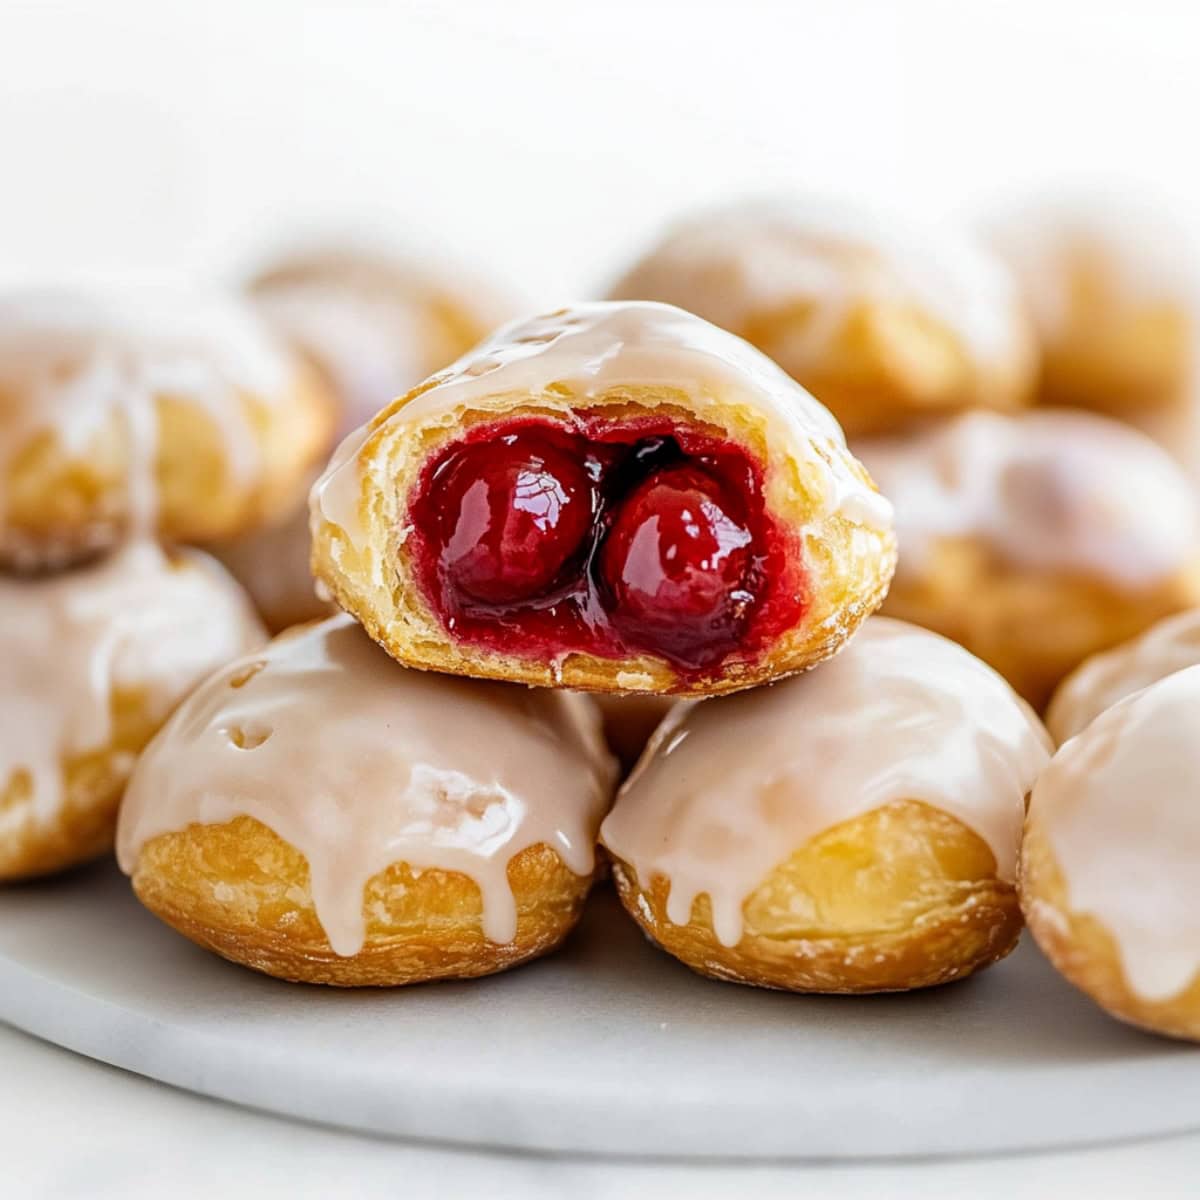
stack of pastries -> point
(128, 424)
(617, 498)
(627, 529)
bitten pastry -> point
(374, 327)
(1109, 883)
(91, 662)
(127, 415)
(884, 325)
(317, 812)
(613, 497)
(1102, 680)
(1113, 297)
(1037, 540)
(854, 829)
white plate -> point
(608, 1047)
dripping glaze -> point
(900, 714)
(360, 764)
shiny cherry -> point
(675, 566)
(515, 512)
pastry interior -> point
(605, 536)
(612, 497)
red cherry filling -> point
(675, 562)
(514, 514)
(610, 538)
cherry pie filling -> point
(606, 537)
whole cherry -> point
(515, 512)
(675, 565)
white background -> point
(540, 143)
(543, 142)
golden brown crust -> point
(1033, 628)
(1084, 951)
(848, 565)
(83, 828)
(1119, 363)
(240, 890)
(64, 504)
(902, 897)
(889, 366)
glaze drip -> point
(70, 364)
(731, 787)
(140, 621)
(1118, 809)
(359, 764)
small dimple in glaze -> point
(138, 621)
(368, 764)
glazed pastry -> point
(1102, 680)
(1109, 883)
(374, 327)
(881, 323)
(629, 723)
(1037, 540)
(125, 416)
(1112, 294)
(317, 812)
(613, 497)
(92, 661)
(854, 829)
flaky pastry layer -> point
(848, 565)
(240, 890)
(904, 896)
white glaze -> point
(1099, 683)
(71, 363)
(738, 264)
(138, 621)
(375, 326)
(1118, 806)
(1048, 490)
(590, 349)
(359, 763)
(731, 787)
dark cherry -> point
(515, 513)
(605, 537)
(675, 564)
